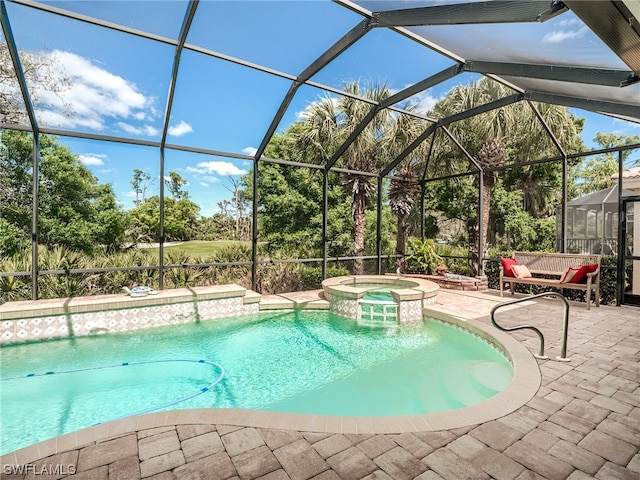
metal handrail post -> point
(565, 332)
(565, 327)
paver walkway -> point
(584, 422)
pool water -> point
(377, 313)
(296, 361)
(377, 291)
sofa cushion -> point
(520, 271)
(581, 273)
(507, 263)
(568, 275)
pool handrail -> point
(565, 326)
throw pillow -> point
(507, 263)
(520, 271)
(581, 273)
(568, 275)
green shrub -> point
(422, 257)
(180, 277)
(337, 272)
(15, 288)
(240, 274)
(278, 278)
(311, 277)
(62, 285)
(237, 252)
(112, 282)
(456, 258)
(12, 239)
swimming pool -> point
(295, 361)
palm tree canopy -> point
(516, 125)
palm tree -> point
(491, 135)
(402, 193)
(404, 186)
(595, 172)
(491, 154)
(327, 124)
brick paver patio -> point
(584, 422)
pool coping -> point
(526, 381)
(16, 310)
(409, 288)
(50, 319)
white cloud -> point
(624, 127)
(425, 101)
(220, 168)
(59, 119)
(569, 22)
(143, 130)
(209, 179)
(92, 159)
(558, 36)
(94, 96)
(208, 211)
(304, 114)
(250, 150)
(180, 129)
(129, 194)
(204, 184)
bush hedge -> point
(271, 278)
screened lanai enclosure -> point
(308, 135)
(592, 222)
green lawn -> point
(200, 248)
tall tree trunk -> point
(237, 199)
(402, 193)
(488, 180)
(472, 231)
(400, 243)
(492, 154)
(358, 210)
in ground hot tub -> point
(379, 299)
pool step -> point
(377, 313)
(494, 376)
(473, 381)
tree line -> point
(78, 212)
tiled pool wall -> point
(30, 321)
(409, 311)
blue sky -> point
(120, 82)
